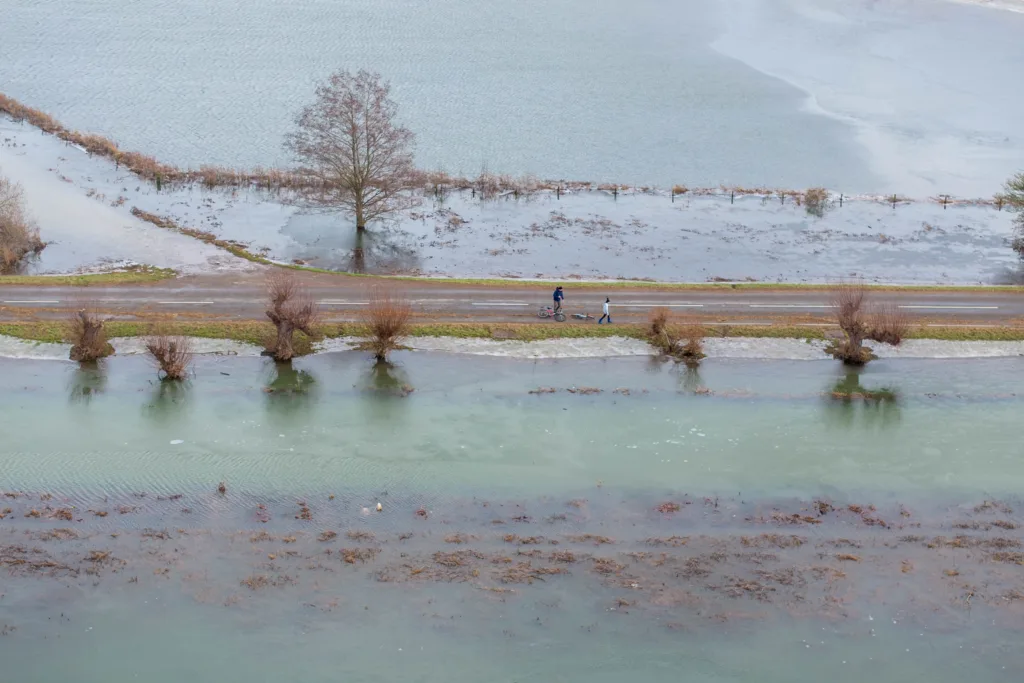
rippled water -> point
(472, 423)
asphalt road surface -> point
(240, 297)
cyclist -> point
(558, 296)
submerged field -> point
(539, 518)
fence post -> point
(840, 200)
(558, 191)
(615, 192)
(732, 197)
(894, 201)
(782, 198)
(944, 198)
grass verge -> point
(132, 275)
(256, 332)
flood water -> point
(855, 96)
(747, 521)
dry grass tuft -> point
(88, 338)
(387, 318)
(816, 201)
(172, 355)
(19, 236)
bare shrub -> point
(816, 201)
(172, 355)
(889, 324)
(291, 309)
(683, 342)
(352, 154)
(88, 338)
(849, 302)
(387, 318)
(19, 236)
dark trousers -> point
(606, 315)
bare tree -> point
(18, 234)
(1013, 197)
(290, 308)
(351, 152)
(88, 338)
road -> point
(242, 297)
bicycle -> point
(549, 312)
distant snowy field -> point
(83, 204)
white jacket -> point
(606, 308)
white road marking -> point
(956, 308)
(790, 306)
(632, 305)
(344, 303)
(496, 303)
(184, 303)
(32, 302)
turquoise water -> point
(470, 462)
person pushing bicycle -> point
(558, 296)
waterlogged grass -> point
(134, 275)
(257, 332)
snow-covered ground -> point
(604, 347)
(77, 203)
(83, 205)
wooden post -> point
(672, 193)
(894, 201)
(732, 197)
(944, 198)
(615, 192)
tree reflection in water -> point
(290, 390)
(168, 399)
(848, 403)
(87, 380)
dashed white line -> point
(344, 303)
(790, 306)
(184, 303)
(496, 303)
(956, 308)
(627, 304)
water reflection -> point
(849, 403)
(385, 249)
(87, 380)
(689, 378)
(387, 380)
(289, 390)
(168, 400)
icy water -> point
(737, 523)
(857, 96)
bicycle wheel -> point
(560, 317)
(543, 313)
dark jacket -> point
(559, 295)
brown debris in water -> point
(772, 541)
(584, 390)
(847, 557)
(524, 540)
(524, 572)
(222, 488)
(259, 581)
(671, 541)
(328, 535)
(562, 556)
(543, 390)
(5, 512)
(1012, 558)
(353, 555)
(606, 565)
(304, 513)
(33, 513)
(590, 538)
(260, 537)
(58, 535)
(64, 514)
(669, 507)
(359, 535)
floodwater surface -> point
(574, 520)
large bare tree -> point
(352, 154)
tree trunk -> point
(283, 349)
(360, 216)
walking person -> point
(558, 296)
(607, 312)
